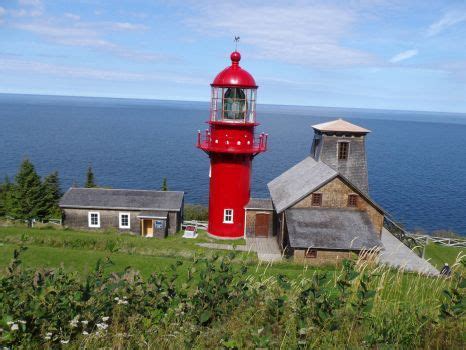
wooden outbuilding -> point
(144, 212)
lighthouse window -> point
(234, 104)
(228, 216)
(343, 148)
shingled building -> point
(320, 210)
(145, 212)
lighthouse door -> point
(262, 225)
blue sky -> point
(367, 53)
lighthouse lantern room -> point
(231, 144)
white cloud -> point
(30, 2)
(448, 20)
(86, 35)
(299, 34)
(72, 16)
(2, 13)
(404, 56)
(63, 71)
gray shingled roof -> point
(100, 198)
(298, 181)
(319, 228)
(260, 203)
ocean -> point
(416, 160)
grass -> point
(439, 255)
(79, 251)
(404, 307)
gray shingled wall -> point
(355, 167)
(78, 218)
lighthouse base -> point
(224, 238)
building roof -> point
(303, 179)
(298, 181)
(340, 125)
(100, 198)
(260, 203)
(340, 229)
(234, 75)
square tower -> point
(341, 145)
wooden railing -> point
(199, 224)
(414, 241)
(402, 235)
(448, 242)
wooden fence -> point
(199, 224)
(414, 241)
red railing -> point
(257, 145)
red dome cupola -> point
(231, 145)
(234, 75)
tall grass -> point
(221, 304)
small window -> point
(124, 220)
(353, 200)
(228, 216)
(343, 149)
(311, 254)
(94, 219)
(316, 199)
(315, 146)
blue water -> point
(416, 160)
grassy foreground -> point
(187, 297)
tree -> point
(52, 194)
(6, 189)
(90, 181)
(164, 184)
(27, 196)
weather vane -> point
(236, 42)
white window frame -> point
(89, 221)
(225, 215)
(120, 225)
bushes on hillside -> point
(217, 304)
(196, 212)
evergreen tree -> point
(90, 181)
(52, 194)
(5, 197)
(164, 184)
(27, 196)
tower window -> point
(353, 200)
(316, 200)
(315, 146)
(343, 150)
(228, 216)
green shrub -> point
(215, 303)
(196, 212)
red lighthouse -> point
(231, 145)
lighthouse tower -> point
(231, 145)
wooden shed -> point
(259, 218)
(144, 212)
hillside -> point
(185, 296)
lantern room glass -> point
(234, 105)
